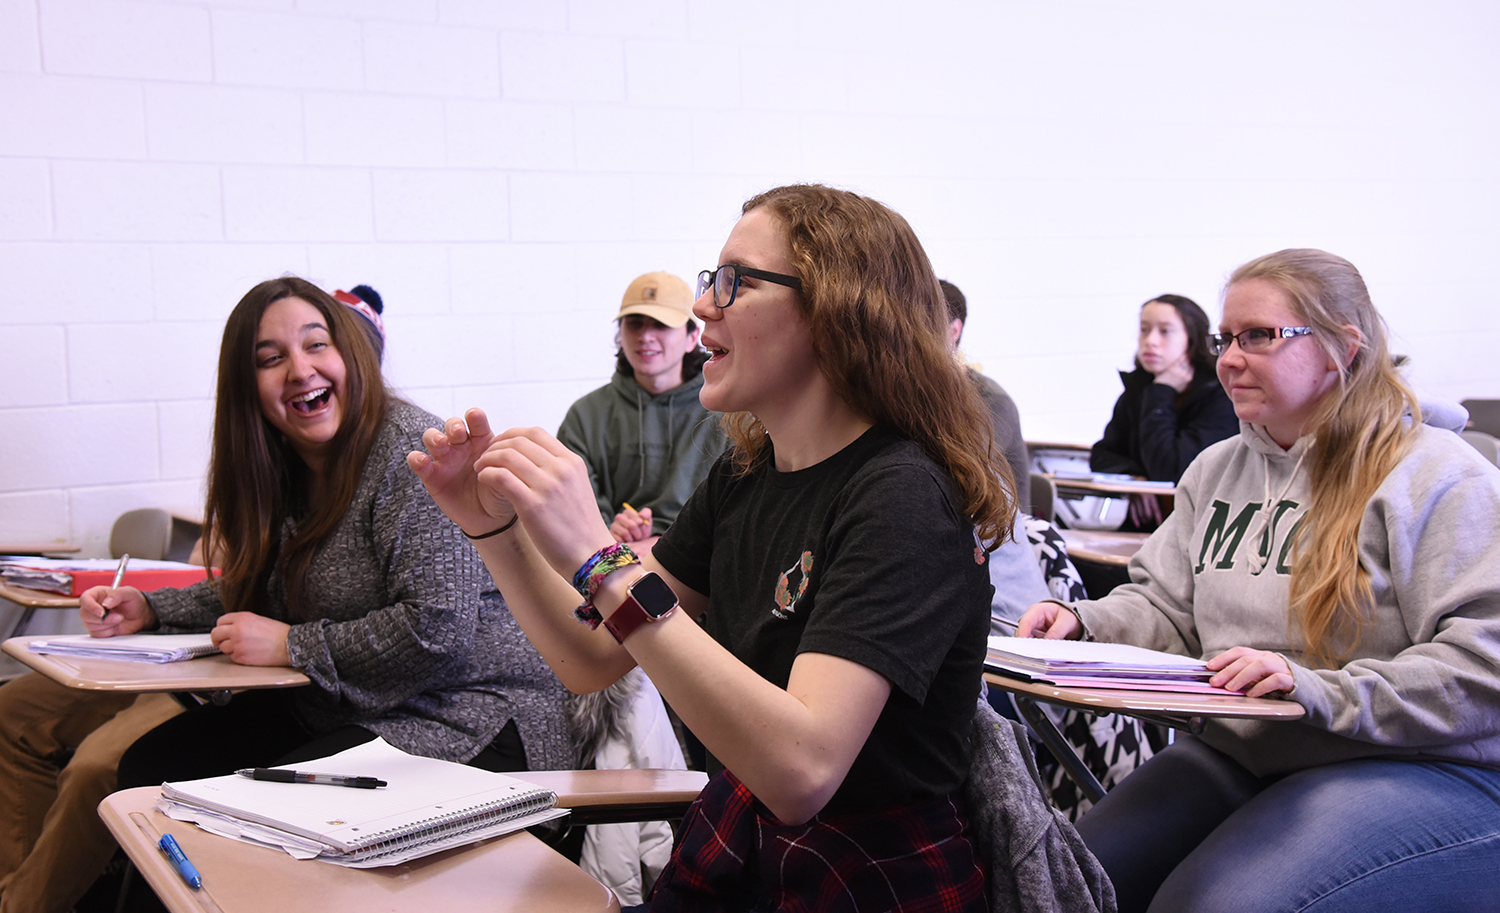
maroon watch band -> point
(654, 602)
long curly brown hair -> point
(256, 481)
(879, 330)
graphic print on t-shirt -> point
(786, 600)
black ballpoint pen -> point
(279, 775)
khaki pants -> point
(52, 843)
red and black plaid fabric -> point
(733, 857)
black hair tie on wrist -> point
(494, 533)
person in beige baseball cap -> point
(647, 440)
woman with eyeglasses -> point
(1342, 552)
(831, 558)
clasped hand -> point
(481, 480)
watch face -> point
(654, 595)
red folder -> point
(145, 579)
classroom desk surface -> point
(1103, 547)
(30, 600)
(513, 873)
(39, 547)
(209, 673)
(1110, 487)
(607, 796)
(1180, 710)
(1069, 446)
(37, 599)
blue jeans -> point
(1191, 830)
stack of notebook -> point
(426, 806)
(1085, 664)
(148, 648)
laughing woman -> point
(1341, 553)
(339, 565)
(831, 556)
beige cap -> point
(660, 296)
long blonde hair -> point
(1358, 427)
(879, 324)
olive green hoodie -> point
(644, 450)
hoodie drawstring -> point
(1257, 560)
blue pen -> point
(180, 862)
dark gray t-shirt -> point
(866, 556)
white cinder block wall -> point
(500, 169)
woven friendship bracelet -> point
(601, 564)
(604, 562)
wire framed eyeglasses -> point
(1255, 339)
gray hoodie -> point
(648, 451)
(1424, 679)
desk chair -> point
(1484, 415)
(149, 533)
(153, 534)
(1043, 494)
(1485, 444)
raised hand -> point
(109, 612)
(548, 485)
(447, 471)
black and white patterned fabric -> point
(1111, 746)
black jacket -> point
(1151, 435)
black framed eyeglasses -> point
(1255, 339)
(725, 281)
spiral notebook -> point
(428, 806)
(146, 648)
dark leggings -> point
(259, 729)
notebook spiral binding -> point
(462, 821)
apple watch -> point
(649, 599)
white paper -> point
(440, 801)
(149, 648)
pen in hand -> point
(277, 775)
(120, 571)
(119, 577)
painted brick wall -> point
(501, 170)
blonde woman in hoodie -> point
(1343, 552)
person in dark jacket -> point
(1172, 407)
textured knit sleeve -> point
(191, 609)
(398, 589)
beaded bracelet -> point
(601, 564)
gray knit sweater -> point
(412, 640)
